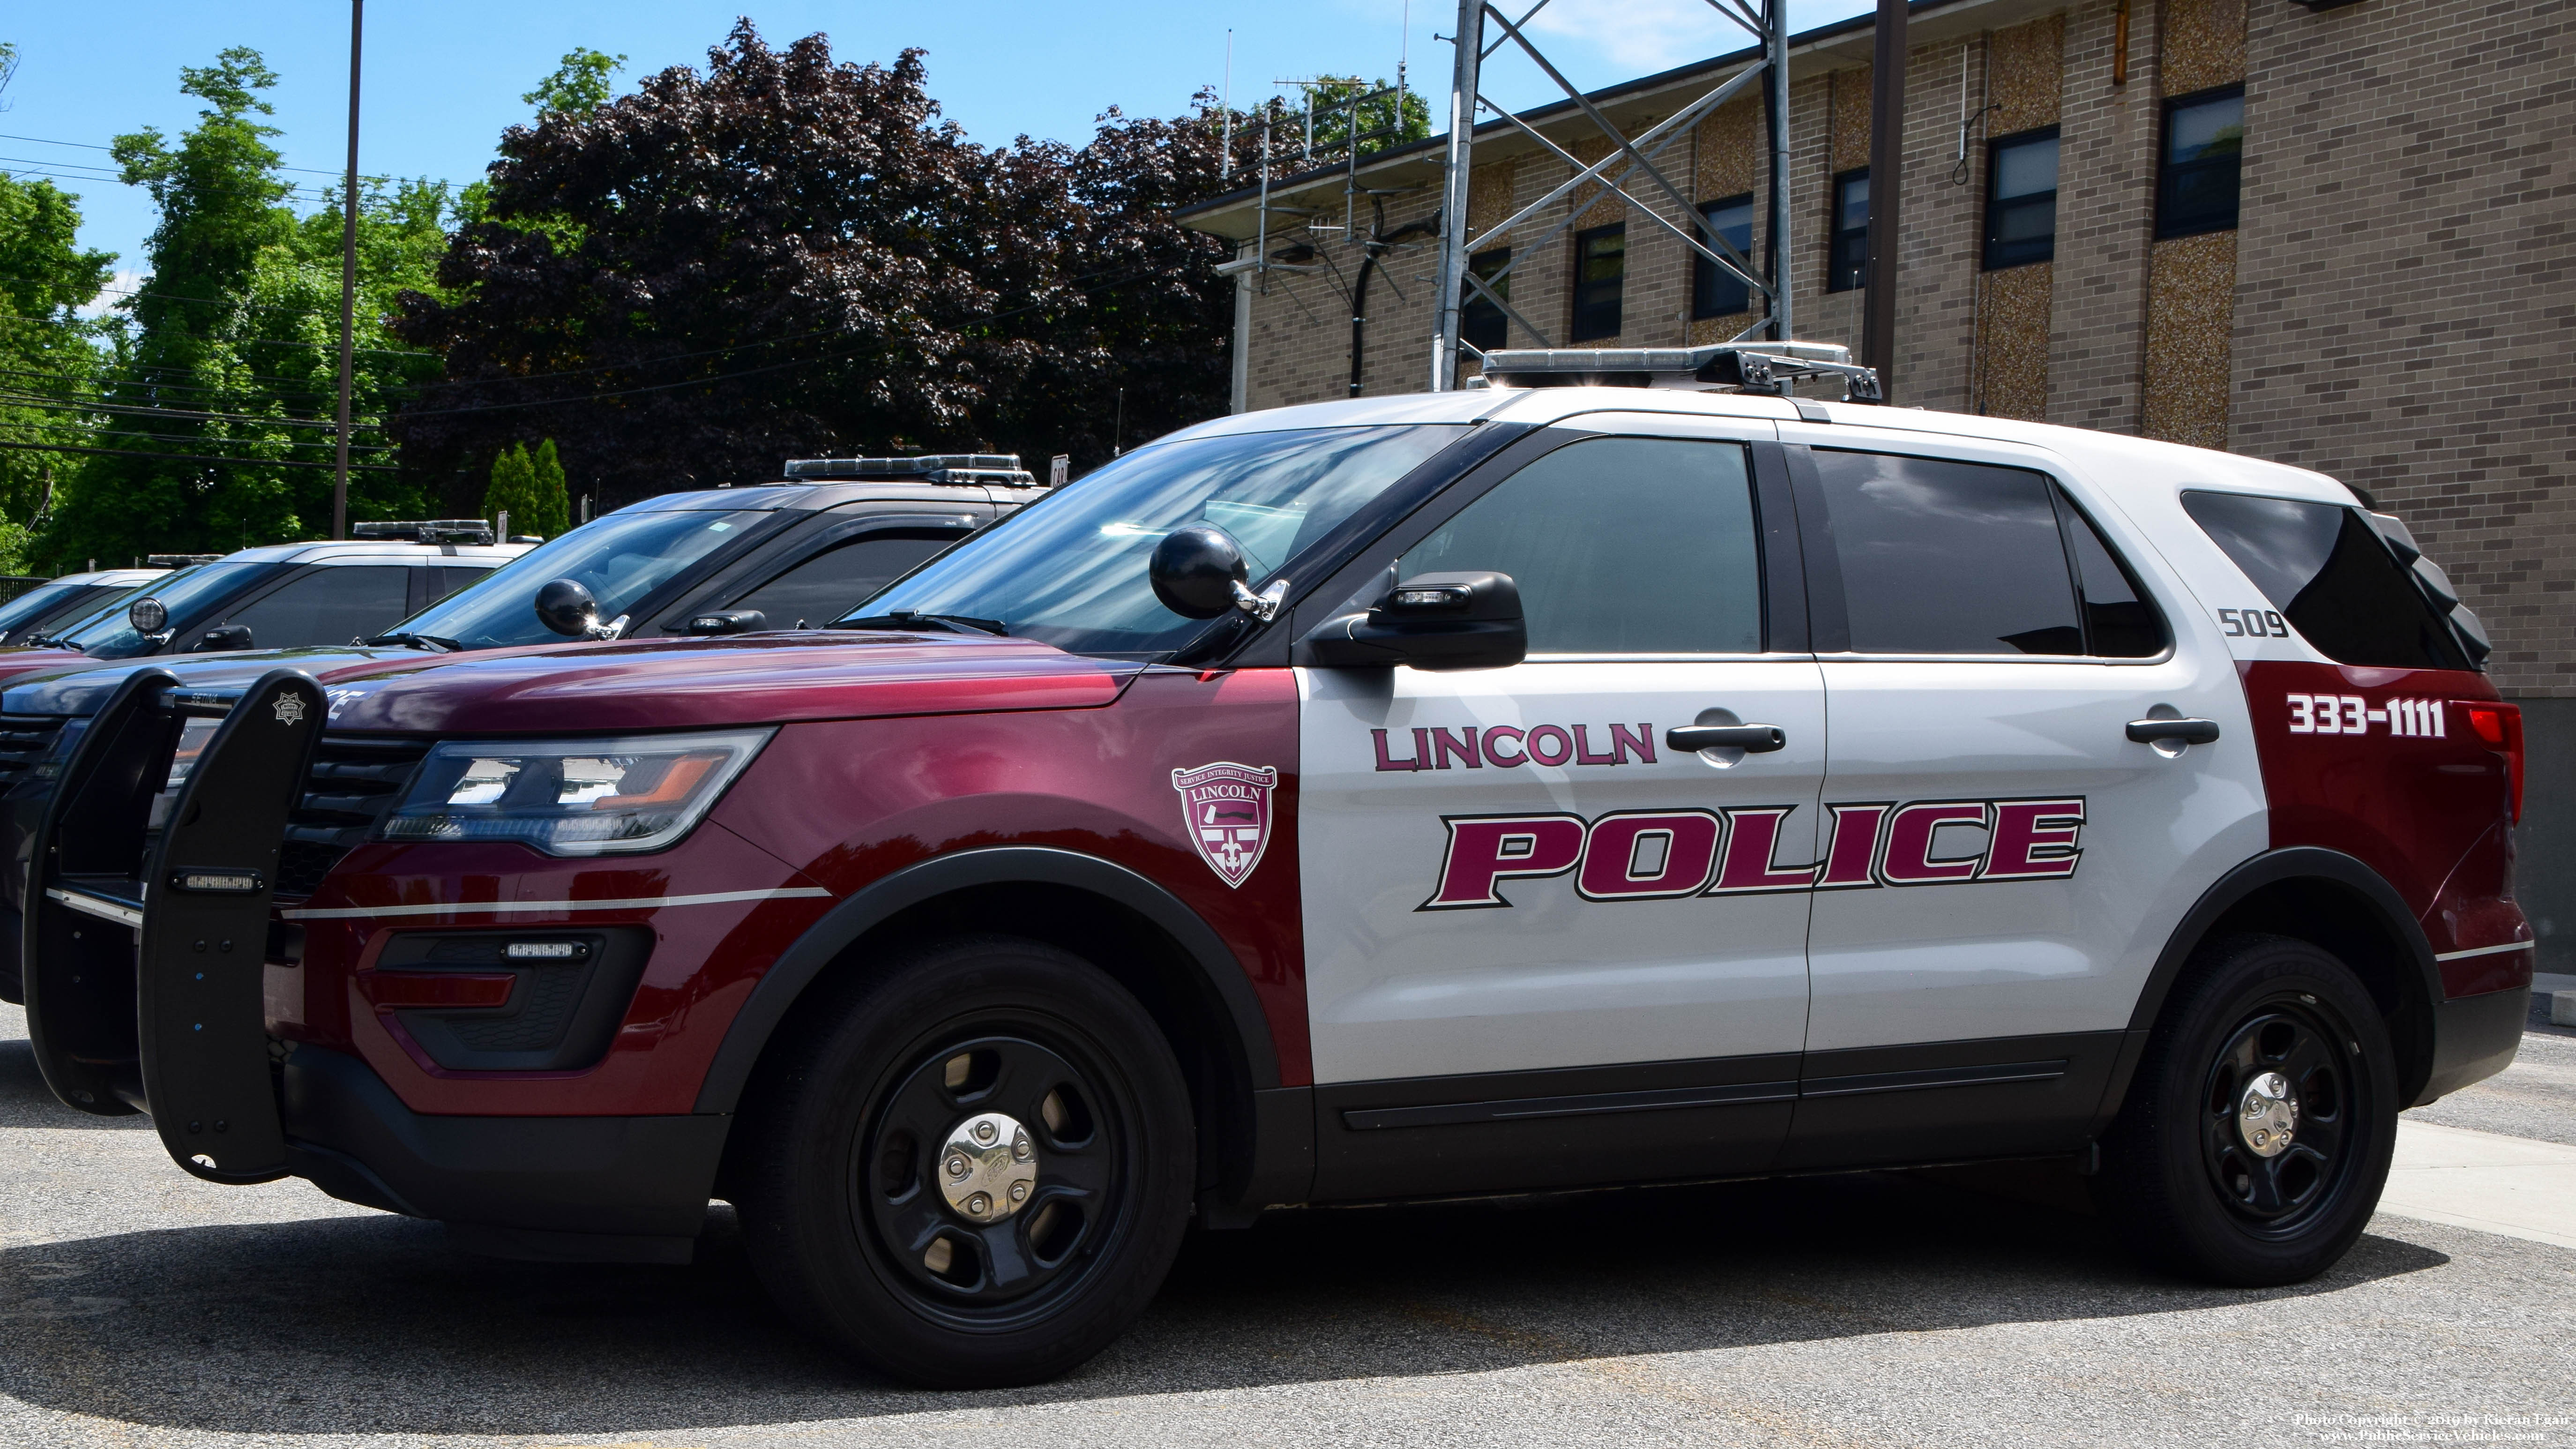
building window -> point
(2021, 200)
(2204, 157)
(1600, 271)
(1715, 291)
(1481, 324)
(1848, 262)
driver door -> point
(1535, 933)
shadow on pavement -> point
(25, 1100)
(374, 1325)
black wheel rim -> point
(998, 1273)
(2280, 1193)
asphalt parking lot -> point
(140, 1306)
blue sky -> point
(443, 79)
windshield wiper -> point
(954, 623)
(431, 642)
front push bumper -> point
(145, 944)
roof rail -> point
(425, 530)
(997, 468)
(179, 560)
(1753, 367)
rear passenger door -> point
(2002, 862)
(1539, 940)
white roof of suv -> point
(379, 551)
(2117, 459)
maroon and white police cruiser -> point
(1518, 788)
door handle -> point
(1753, 739)
(2188, 731)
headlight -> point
(571, 797)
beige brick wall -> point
(2406, 317)
(2105, 215)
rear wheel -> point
(977, 1172)
(2257, 1134)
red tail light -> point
(2499, 728)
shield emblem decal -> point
(1227, 807)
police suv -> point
(1528, 787)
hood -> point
(17, 664)
(703, 683)
(75, 684)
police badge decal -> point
(1227, 807)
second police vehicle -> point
(1529, 787)
(705, 562)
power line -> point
(260, 341)
(50, 170)
(193, 438)
(87, 146)
(107, 380)
(191, 457)
(39, 401)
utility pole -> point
(1463, 80)
(1886, 167)
(348, 280)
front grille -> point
(355, 780)
(25, 740)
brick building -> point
(2377, 284)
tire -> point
(2200, 1184)
(849, 1212)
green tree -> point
(223, 400)
(578, 86)
(530, 488)
(49, 355)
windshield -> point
(621, 558)
(36, 603)
(190, 596)
(1070, 569)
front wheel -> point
(977, 1172)
(2257, 1135)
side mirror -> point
(567, 608)
(148, 615)
(229, 636)
(1430, 621)
(724, 621)
(1196, 571)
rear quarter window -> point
(2325, 569)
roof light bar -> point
(1001, 469)
(179, 560)
(1753, 367)
(425, 530)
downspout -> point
(1240, 400)
(1380, 242)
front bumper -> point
(590, 1189)
(2474, 1037)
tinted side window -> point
(828, 585)
(327, 606)
(1620, 546)
(1940, 557)
(2119, 622)
(2325, 569)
